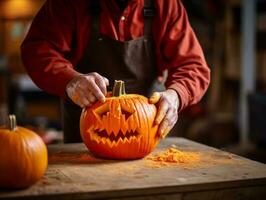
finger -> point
(101, 84)
(106, 81)
(155, 97)
(75, 97)
(167, 123)
(83, 101)
(162, 110)
(78, 102)
(162, 128)
(93, 87)
(92, 98)
(166, 131)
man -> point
(77, 48)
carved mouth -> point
(114, 138)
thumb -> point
(155, 97)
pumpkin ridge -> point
(139, 124)
(146, 114)
(146, 120)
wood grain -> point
(73, 173)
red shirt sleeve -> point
(49, 60)
(181, 54)
(47, 45)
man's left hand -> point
(167, 114)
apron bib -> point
(132, 61)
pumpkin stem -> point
(119, 88)
(12, 122)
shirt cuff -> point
(68, 76)
(182, 94)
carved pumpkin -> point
(23, 156)
(120, 128)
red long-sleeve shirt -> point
(60, 33)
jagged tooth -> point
(108, 129)
(130, 128)
(95, 138)
(117, 129)
(130, 139)
(114, 143)
(98, 140)
(103, 140)
(120, 140)
(134, 138)
(90, 134)
(99, 126)
(115, 132)
(109, 142)
(126, 140)
(88, 130)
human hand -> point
(85, 89)
(167, 114)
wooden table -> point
(74, 174)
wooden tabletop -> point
(73, 173)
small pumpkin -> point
(23, 156)
(120, 128)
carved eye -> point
(102, 111)
(126, 111)
(127, 114)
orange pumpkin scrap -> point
(120, 128)
(23, 156)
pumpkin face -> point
(120, 128)
(23, 157)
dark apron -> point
(131, 61)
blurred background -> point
(231, 114)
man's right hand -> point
(85, 89)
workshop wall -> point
(214, 121)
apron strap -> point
(148, 13)
(95, 10)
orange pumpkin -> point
(120, 128)
(23, 156)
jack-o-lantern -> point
(120, 128)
